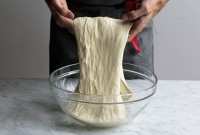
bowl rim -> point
(121, 95)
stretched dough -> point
(101, 42)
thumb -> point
(69, 15)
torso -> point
(97, 2)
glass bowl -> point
(141, 81)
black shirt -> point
(98, 2)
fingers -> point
(142, 16)
(145, 7)
(133, 15)
(62, 15)
(138, 26)
(63, 21)
(60, 6)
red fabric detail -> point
(132, 6)
(135, 44)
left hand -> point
(142, 16)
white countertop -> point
(28, 108)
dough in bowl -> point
(101, 42)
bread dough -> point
(101, 42)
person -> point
(63, 47)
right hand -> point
(62, 15)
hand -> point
(142, 16)
(63, 16)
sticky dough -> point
(101, 42)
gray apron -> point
(63, 47)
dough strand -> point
(101, 42)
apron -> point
(63, 47)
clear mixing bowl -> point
(141, 81)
